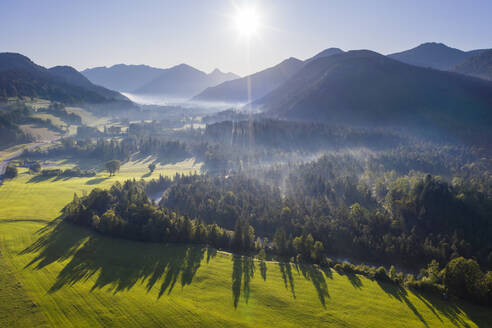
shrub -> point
(10, 171)
(381, 274)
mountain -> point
(365, 88)
(183, 81)
(19, 76)
(121, 77)
(217, 77)
(261, 83)
(434, 55)
(180, 81)
(325, 53)
(479, 65)
(72, 76)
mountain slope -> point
(261, 83)
(363, 87)
(479, 65)
(121, 77)
(182, 81)
(73, 77)
(19, 76)
(434, 55)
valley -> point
(245, 164)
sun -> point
(247, 21)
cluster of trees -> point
(10, 118)
(169, 149)
(294, 135)
(125, 211)
(101, 148)
(10, 171)
(114, 148)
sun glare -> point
(247, 21)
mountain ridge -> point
(261, 83)
(144, 79)
(20, 76)
(479, 65)
(363, 87)
(434, 55)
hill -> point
(434, 55)
(479, 65)
(19, 76)
(366, 88)
(183, 81)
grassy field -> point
(59, 275)
(54, 119)
(30, 196)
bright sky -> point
(205, 34)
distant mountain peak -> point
(433, 44)
(432, 54)
(325, 53)
(290, 60)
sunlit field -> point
(55, 274)
(34, 197)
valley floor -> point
(54, 274)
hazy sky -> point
(90, 33)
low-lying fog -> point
(163, 100)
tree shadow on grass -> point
(286, 271)
(455, 310)
(115, 266)
(315, 275)
(38, 178)
(211, 253)
(263, 270)
(96, 181)
(401, 295)
(353, 279)
(243, 270)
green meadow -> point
(54, 274)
